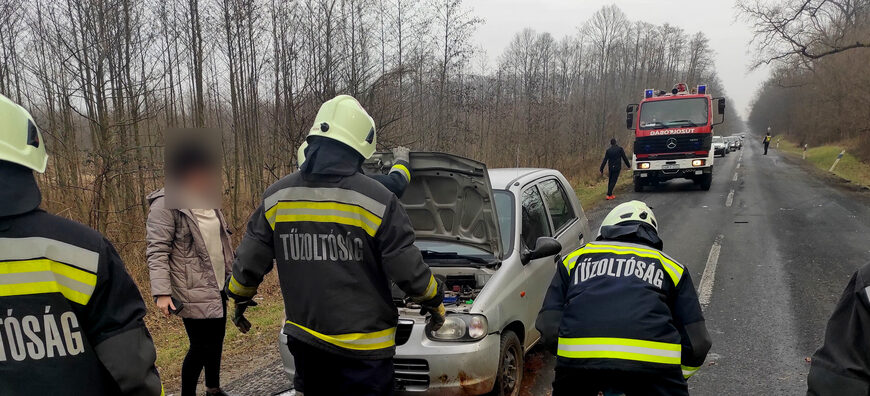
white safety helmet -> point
(344, 119)
(20, 140)
(630, 211)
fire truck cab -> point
(673, 135)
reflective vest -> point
(338, 243)
(624, 306)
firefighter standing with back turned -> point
(339, 238)
(766, 142)
(623, 316)
(613, 157)
(72, 316)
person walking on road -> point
(621, 315)
(766, 142)
(842, 365)
(339, 239)
(614, 157)
(64, 290)
(189, 256)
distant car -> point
(733, 143)
(720, 146)
(492, 237)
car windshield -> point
(674, 113)
(718, 139)
(504, 202)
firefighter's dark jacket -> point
(397, 179)
(621, 304)
(71, 315)
(842, 365)
(614, 157)
(338, 237)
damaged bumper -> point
(429, 367)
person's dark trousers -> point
(206, 347)
(580, 382)
(611, 183)
(327, 374)
(766, 145)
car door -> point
(534, 223)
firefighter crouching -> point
(622, 315)
(71, 315)
(339, 239)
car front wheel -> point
(510, 366)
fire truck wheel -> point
(638, 185)
(706, 181)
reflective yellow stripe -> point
(357, 341)
(40, 276)
(619, 348)
(44, 287)
(571, 260)
(431, 290)
(674, 270)
(688, 371)
(241, 290)
(323, 212)
(403, 169)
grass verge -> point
(592, 193)
(822, 157)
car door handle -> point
(557, 258)
(581, 237)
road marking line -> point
(738, 166)
(735, 177)
(705, 289)
(730, 199)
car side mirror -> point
(544, 247)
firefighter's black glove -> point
(436, 316)
(239, 318)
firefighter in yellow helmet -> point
(72, 316)
(621, 315)
(339, 238)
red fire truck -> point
(673, 135)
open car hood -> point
(449, 199)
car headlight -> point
(698, 162)
(643, 165)
(460, 327)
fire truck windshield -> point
(674, 113)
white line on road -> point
(735, 177)
(705, 290)
(730, 199)
(738, 166)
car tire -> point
(706, 181)
(509, 377)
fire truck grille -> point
(670, 145)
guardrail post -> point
(837, 161)
(805, 151)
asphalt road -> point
(778, 241)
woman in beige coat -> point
(189, 257)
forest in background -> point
(818, 53)
(105, 78)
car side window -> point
(561, 211)
(534, 217)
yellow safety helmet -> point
(343, 119)
(630, 211)
(20, 140)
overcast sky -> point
(716, 18)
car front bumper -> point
(426, 367)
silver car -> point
(494, 238)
